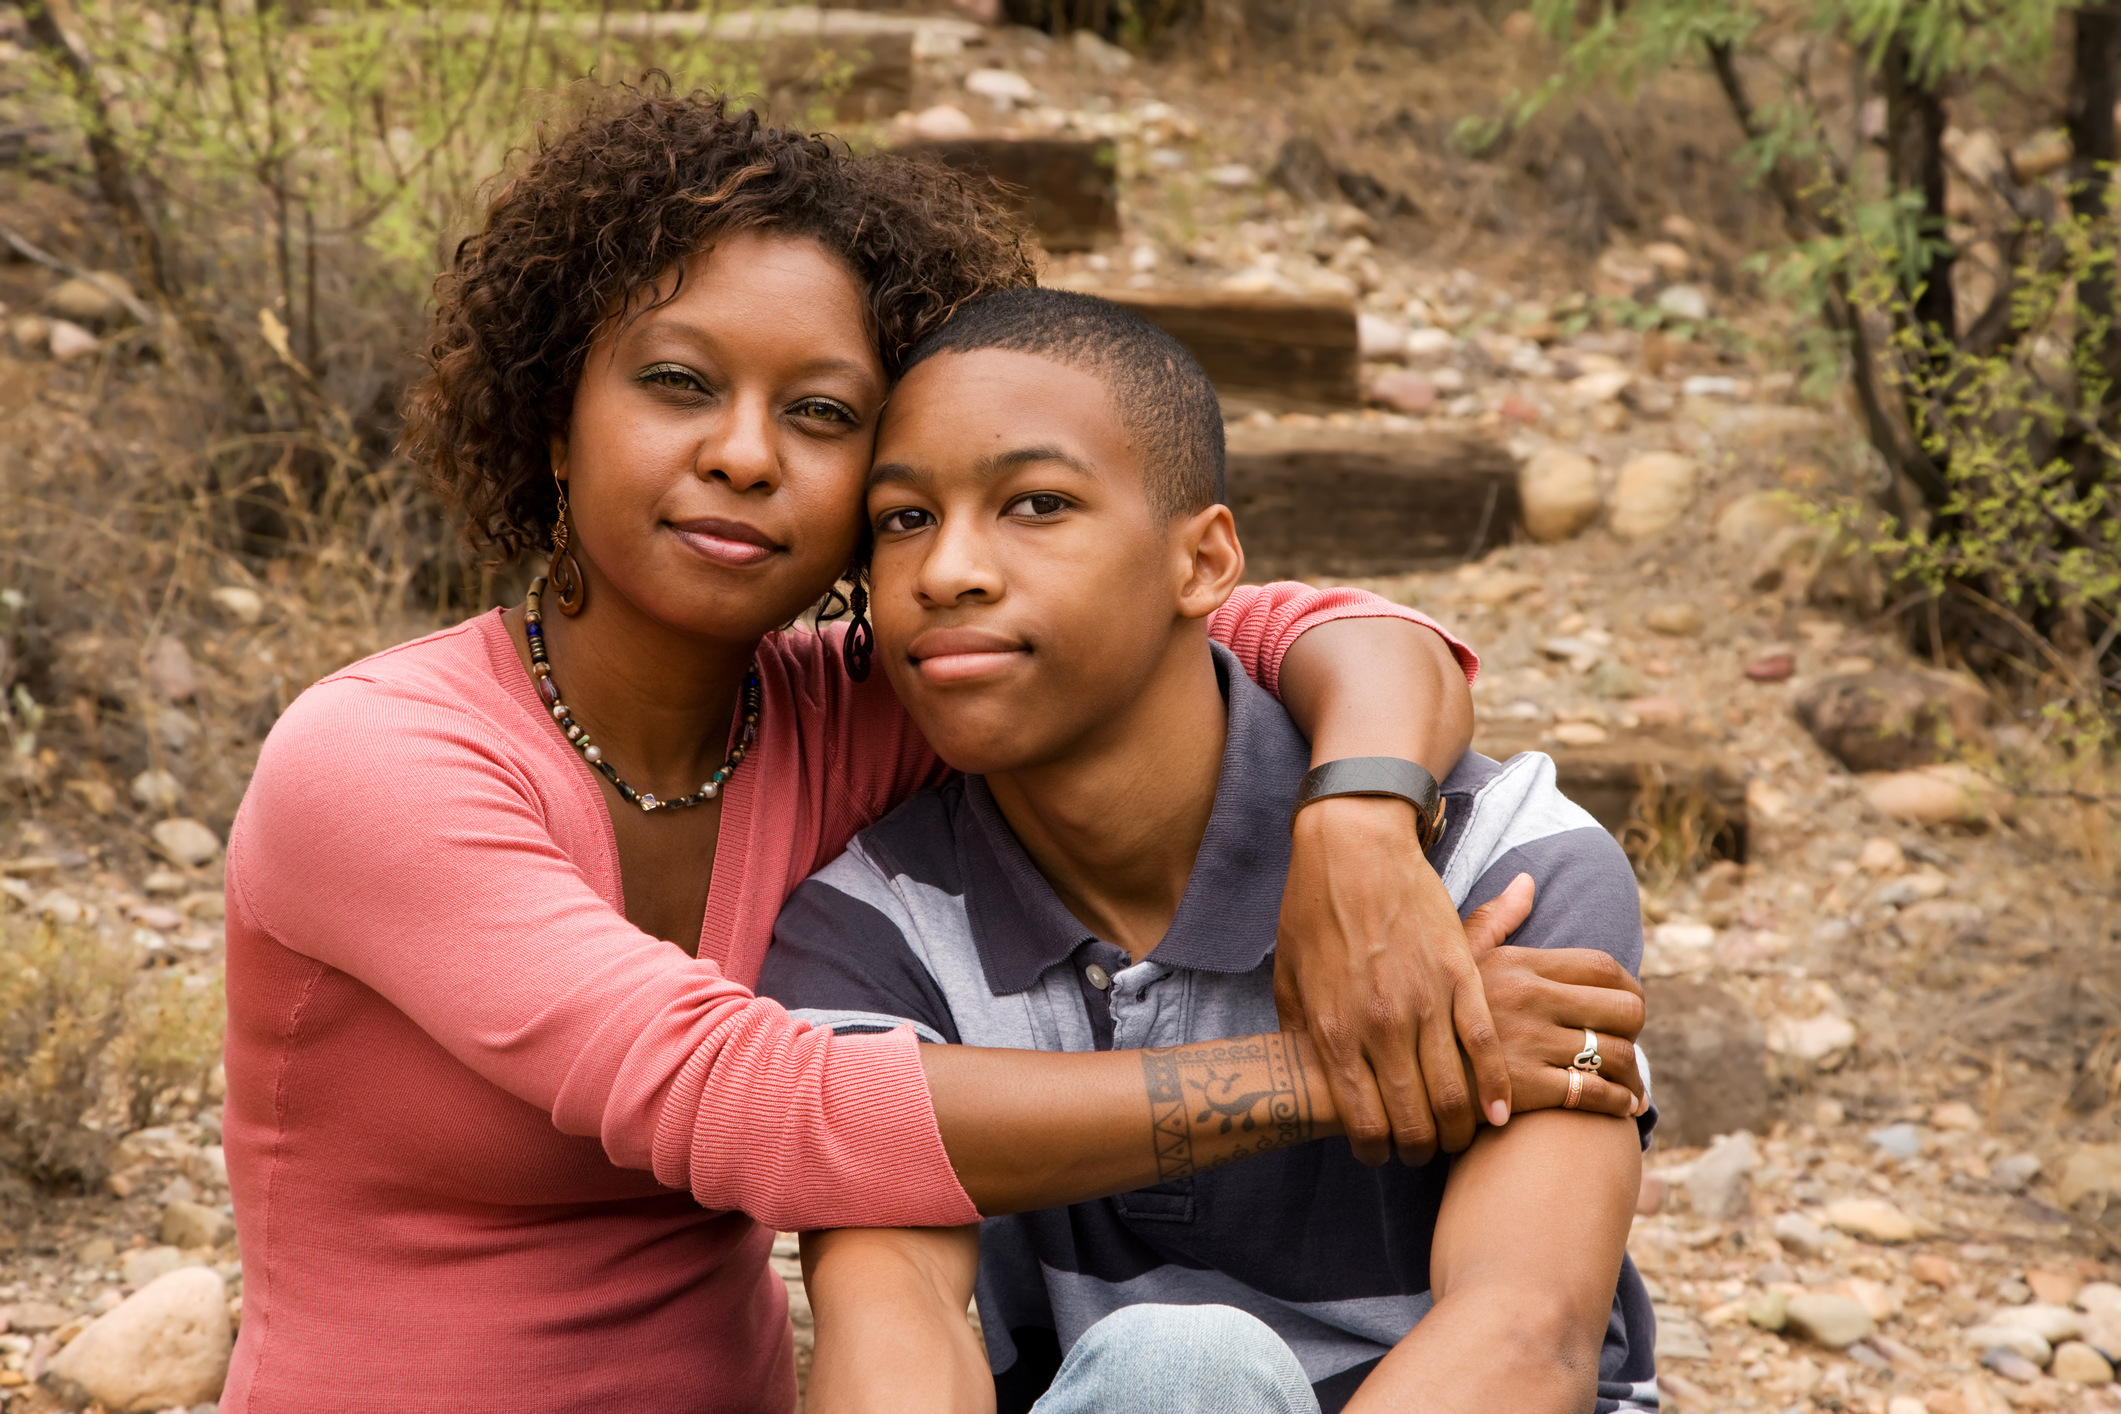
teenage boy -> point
(1050, 540)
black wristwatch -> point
(1378, 775)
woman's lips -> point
(725, 542)
(955, 655)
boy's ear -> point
(1208, 559)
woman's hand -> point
(1543, 999)
(1371, 959)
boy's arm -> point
(889, 1306)
(1523, 1266)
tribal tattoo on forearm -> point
(1214, 1104)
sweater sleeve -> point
(425, 866)
(1259, 622)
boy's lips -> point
(725, 542)
(964, 654)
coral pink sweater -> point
(492, 1146)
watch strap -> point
(1378, 775)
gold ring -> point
(1575, 1097)
(1588, 1058)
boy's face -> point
(1025, 588)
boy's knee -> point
(1184, 1358)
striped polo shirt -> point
(935, 916)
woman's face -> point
(715, 457)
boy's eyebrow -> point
(900, 473)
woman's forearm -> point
(1032, 1129)
(1379, 687)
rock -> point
(1748, 522)
(245, 606)
(1822, 1040)
(157, 790)
(2011, 1365)
(1933, 1271)
(2102, 1332)
(1658, 713)
(1773, 665)
(945, 121)
(1405, 391)
(167, 1344)
(1794, 1231)
(1580, 734)
(1503, 586)
(30, 333)
(1708, 1059)
(1002, 87)
(1932, 795)
(2100, 1298)
(1770, 1310)
(193, 1225)
(1431, 345)
(2079, 1364)
(1835, 1322)
(98, 299)
(96, 795)
(1892, 719)
(1558, 491)
(1233, 176)
(144, 1265)
(2013, 1292)
(1881, 858)
(1379, 337)
(69, 340)
(1678, 1338)
(165, 881)
(1900, 1141)
(1913, 888)
(2091, 1176)
(2053, 1288)
(1684, 302)
(1717, 1184)
(1617, 681)
(2053, 1324)
(169, 669)
(1100, 56)
(1677, 619)
(1872, 1219)
(37, 1317)
(186, 842)
(1579, 653)
(1592, 389)
(98, 1252)
(1653, 492)
(1906, 1404)
(1649, 1198)
(1712, 385)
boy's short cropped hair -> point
(1162, 397)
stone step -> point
(1353, 503)
(1635, 786)
(1280, 353)
(1066, 187)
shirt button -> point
(1097, 976)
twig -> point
(23, 247)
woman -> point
(491, 1140)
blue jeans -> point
(1179, 1360)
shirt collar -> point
(1226, 920)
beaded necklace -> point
(549, 693)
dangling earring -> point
(563, 573)
(859, 646)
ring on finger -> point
(1588, 1058)
(1575, 1095)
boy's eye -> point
(1038, 503)
(674, 377)
(899, 521)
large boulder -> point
(1708, 1062)
(1558, 490)
(167, 1344)
(1654, 490)
(1892, 719)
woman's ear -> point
(556, 453)
(1210, 560)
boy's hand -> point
(1372, 961)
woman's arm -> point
(1523, 1267)
(892, 1335)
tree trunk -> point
(2092, 94)
(1914, 134)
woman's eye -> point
(897, 522)
(825, 410)
(1039, 503)
(673, 377)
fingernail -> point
(1498, 1113)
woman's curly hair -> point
(614, 201)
